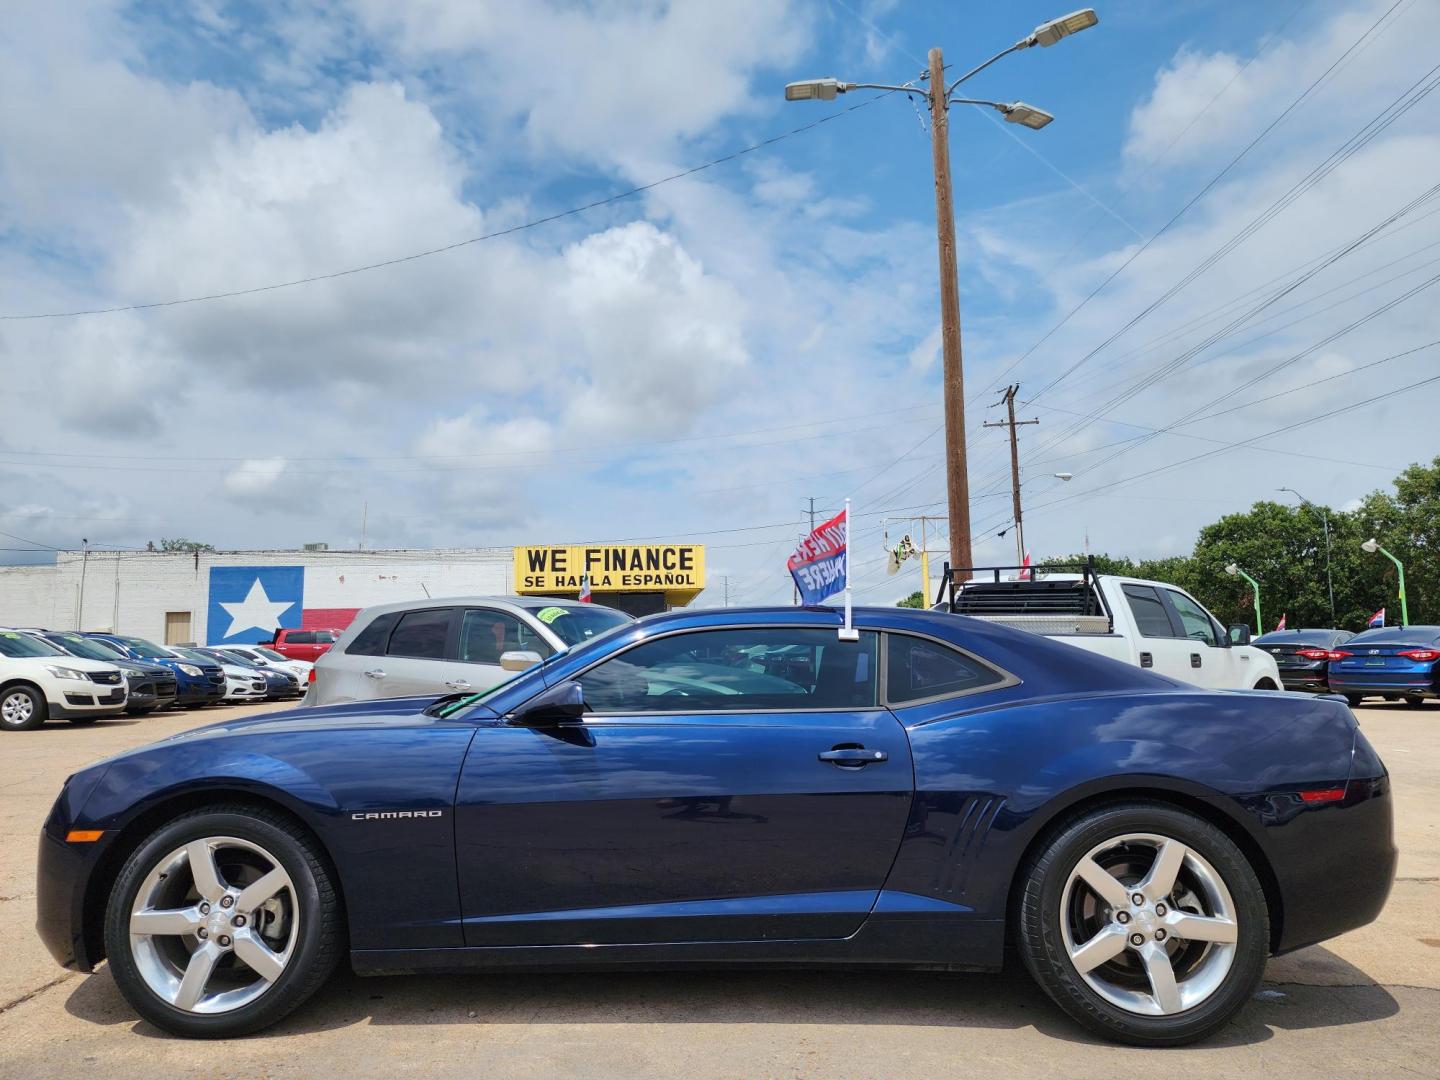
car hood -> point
(350, 715)
(75, 663)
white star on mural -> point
(256, 610)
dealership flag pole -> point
(848, 632)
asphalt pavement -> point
(1366, 1004)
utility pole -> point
(1008, 397)
(80, 603)
(938, 96)
(812, 513)
(726, 580)
(364, 521)
(957, 476)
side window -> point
(759, 668)
(1150, 615)
(485, 634)
(371, 641)
(1198, 625)
(421, 634)
(301, 637)
(918, 669)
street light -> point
(1063, 476)
(1325, 524)
(1234, 571)
(1370, 547)
(938, 96)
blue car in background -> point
(737, 787)
(196, 682)
(1303, 656)
(1393, 662)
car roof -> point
(1399, 633)
(1275, 637)
(519, 603)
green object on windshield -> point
(550, 614)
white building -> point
(171, 597)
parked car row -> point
(1397, 663)
(83, 677)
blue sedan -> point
(737, 787)
(1393, 662)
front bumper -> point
(89, 700)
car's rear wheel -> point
(1143, 922)
(22, 708)
(1354, 699)
(223, 922)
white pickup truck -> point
(1146, 623)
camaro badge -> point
(392, 815)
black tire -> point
(1042, 948)
(39, 710)
(1354, 700)
(83, 720)
(1414, 702)
(143, 710)
(320, 938)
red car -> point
(303, 644)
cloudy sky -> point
(698, 360)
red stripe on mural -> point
(327, 618)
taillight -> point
(1423, 655)
(1314, 654)
(312, 675)
(1337, 654)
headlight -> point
(67, 673)
(191, 670)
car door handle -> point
(375, 673)
(457, 684)
(1147, 660)
(853, 757)
(1195, 660)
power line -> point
(496, 234)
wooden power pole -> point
(957, 480)
(1008, 397)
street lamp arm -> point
(907, 88)
(1025, 44)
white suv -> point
(459, 645)
(39, 682)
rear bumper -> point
(1333, 864)
(1305, 681)
(1387, 683)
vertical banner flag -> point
(585, 589)
(1281, 624)
(1378, 619)
(818, 564)
(1024, 574)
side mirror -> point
(1239, 633)
(518, 660)
(560, 704)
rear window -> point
(1151, 618)
(421, 634)
(372, 640)
(918, 669)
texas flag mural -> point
(248, 603)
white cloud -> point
(255, 476)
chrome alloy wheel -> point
(1149, 924)
(17, 708)
(214, 925)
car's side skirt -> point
(901, 940)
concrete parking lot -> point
(1366, 1004)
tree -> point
(179, 543)
(1282, 546)
(916, 600)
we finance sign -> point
(610, 568)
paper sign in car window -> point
(549, 614)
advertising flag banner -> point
(818, 564)
(1281, 624)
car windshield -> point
(227, 656)
(270, 654)
(19, 645)
(89, 648)
(196, 654)
(148, 649)
(572, 625)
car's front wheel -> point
(222, 922)
(22, 708)
(1144, 922)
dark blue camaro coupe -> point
(737, 787)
